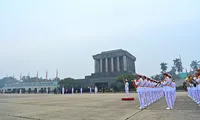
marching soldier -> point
(139, 85)
(198, 86)
(166, 83)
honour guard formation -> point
(149, 90)
(192, 82)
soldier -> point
(81, 90)
(139, 85)
(145, 84)
(198, 85)
(90, 90)
(96, 90)
(166, 83)
(63, 90)
(72, 90)
(126, 87)
(20, 91)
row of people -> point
(169, 89)
(149, 91)
(192, 83)
(81, 90)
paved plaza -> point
(92, 107)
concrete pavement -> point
(92, 107)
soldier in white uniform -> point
(139, 85)
(96, 90)
(63, 90)
(167, 90)
(127, 88)
(72, 90)
(47, 90)
(173, 92)
(198, 90)
(90, 90)
(145, 84)
(81, 90)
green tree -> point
(156, 77)
(68, 83)
(163, 67)
(128, 77)
(178, 65)
(195, 65)
(117, 86)
(173, 71)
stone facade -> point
(114, 61)
(108, 66)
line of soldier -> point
(149, 90)
(81, 90)
(169, 89)
(192, 82)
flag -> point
(37, 75)
(46, 74)
(20, 76)
(57, 73)
(181, 62)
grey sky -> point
(64, 34)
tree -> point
(128, 77)
(67, 83)
(117, 86)
(157, 77)
(163, 67)
(178, 65)
(173, 71)
(195, 65)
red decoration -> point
(128, 99)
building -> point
(108, 66)
(38, 85)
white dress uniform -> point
(127, 89)
(198, 90)
(140, 90)
(20, 91)
(72, 90)
(63, 90)
(90, 90)
(173, 93)
(81, 90)
(167, 90)
(96, 90)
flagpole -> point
(181, 63)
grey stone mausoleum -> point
(108, 66)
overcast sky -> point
(64, 34)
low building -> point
(37, 85)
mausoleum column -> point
(118, 65)
(125, 63)
(101, 66)
(96, 66)
(106, 64)
(112, 65)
